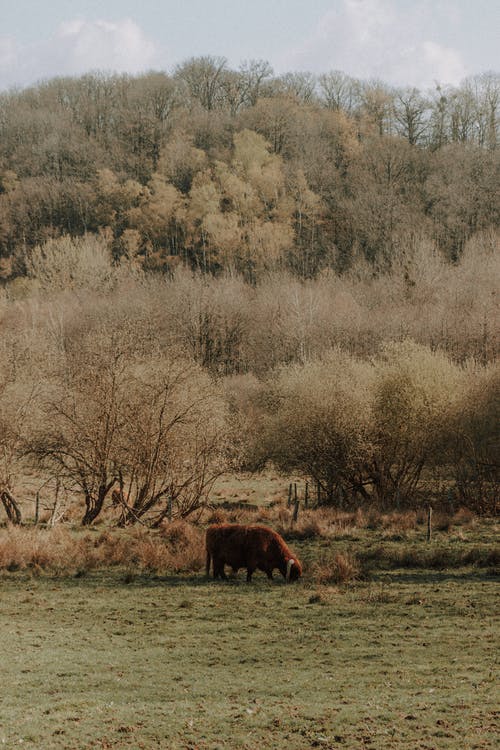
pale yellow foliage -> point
(224, 233)
(417, 394)
(67, 263)
(163, 204)
(267, 242)
(204, 197)
(251, 151)
(238, 191)
(179, 157)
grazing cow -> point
(249, 547)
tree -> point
(174, 445)
(136, 426)
(203, 77)
(16, 399)
(377, 107)
(411, 115)
(159, 218)
(301, 86)
(417, 394)
(84, 416)
(385, 202)
(473, 445)
(66, 263)
(274, 118)
(254, 74)
(319, 423)
(340, 92)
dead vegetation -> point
(63, 551)
(179, 546)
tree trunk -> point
(11, 507)
(94, 504)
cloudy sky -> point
(403, 42)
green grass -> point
(406, 660)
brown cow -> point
(249, 547)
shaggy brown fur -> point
(249, 547)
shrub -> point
(417, 395)
(318, 421)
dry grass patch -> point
(56, 549)
(176, 547)
(338, 568)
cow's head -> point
(293, 570)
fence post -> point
(341, 497)
(37, 507)
(429, 523)
(451, 504)
(306, 496)
(296, 510)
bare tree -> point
(173, 444)
(84, 415)
(340, 91)
(254, 74)
(16, 400)
(203, 77)
(411, 114)
(301, 85)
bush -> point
(318, 421)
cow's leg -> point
(208, 563)
(267, 570)
(219, 568)
(250, 572)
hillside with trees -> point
(244, 170)
(218, 269)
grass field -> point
(114, 659)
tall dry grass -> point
(336, 568)
(61, 550)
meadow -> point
(399, 649)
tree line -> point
(244, 170)
(129, 393)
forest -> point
(220, 270)
(244, 170)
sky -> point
(401, 42)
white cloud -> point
(445, 60)
(76, 47)
(381, 39)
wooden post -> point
(37, 507)
(306, 496)
(451, 504)
(296, 510)
(289, 502)
(295, 492)
(429, 523)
